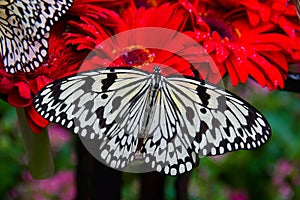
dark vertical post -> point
(152, 186)
(94, 179)
(181, 186)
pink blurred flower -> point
(238, 195)
(286, 178)
(60, 186)
(58, 135)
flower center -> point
(136, 55)
(147, 3)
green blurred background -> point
(270, 172)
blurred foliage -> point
(15, 178)
(270, 172)
(11, 150)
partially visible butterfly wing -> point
(219, 121)
(297, 7)
(104, 107)
(24, 30)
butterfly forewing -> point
(24, 30)
(107, 109)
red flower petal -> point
(256, 73)
(34, 120)
(23, 90)
(273, 76)
(16, 100)
(6, 85)
(42, 81)
(234, 78)
(254, 17)
(38, 83)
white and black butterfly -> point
(24, 30)
(128, 114)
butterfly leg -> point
(138, 154)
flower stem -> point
(37, 148)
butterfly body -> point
(151, 102)
(126, 114)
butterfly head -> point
(156, 78)
(156, 70)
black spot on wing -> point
(204, 97)
(102, 119)
(104, 96)
(238, 140)
(110, 79)
(63, 115)
(203, 110)
(203, 129)
(62, 107)
(241, 132)
(99, 113)
(251, 119)
(47, 7)
(226, 129)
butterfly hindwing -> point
(24, 31)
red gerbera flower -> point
(241, 47)
(90, 25)
(136, 51)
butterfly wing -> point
(218, 120)
(168, 147)
(24, 30)
(196, 118)
(104, 107)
